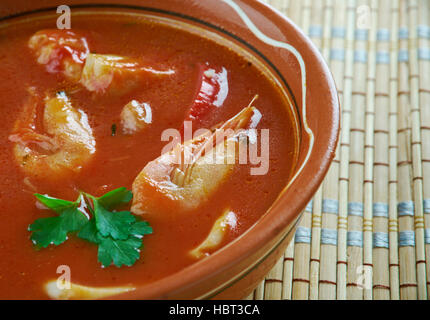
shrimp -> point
(115, 74)
(67, 144)
(227, 221)
(135, 116)
(81, 292)
(61, 51)
(186, 177)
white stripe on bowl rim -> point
(260, 35)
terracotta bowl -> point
(291, 60)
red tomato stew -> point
(92, 111)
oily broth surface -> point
(119, 159)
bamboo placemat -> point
(366, 233)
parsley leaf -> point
(117, 234)
(115, 197)
(54, 230)
(58, 205)
(141, 228)
(114, 224)
(89, 232)
(120, 252)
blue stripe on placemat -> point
(380, 240)
(427, 206)
(380, 209)
(383, 35)
(406, 239)
(303, 235)
(315, 31)
(330, 206)
(355, 209)
(361, 34)
(360, 56)
(424, 53)
(403, 33)
(403, 55)
(427, 236)
(355, 239)
(310, 206)
(405, 208)
(337, 54)
(338, 32)
(423, 32)
(329, 236)
(383, 57)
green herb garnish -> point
(117, 234)
(113, 130)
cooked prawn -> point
(66, 145)
(61, 51)
(104, 73)
(189, 174)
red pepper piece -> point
(212, 92)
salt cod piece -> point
(216, 236)
(81, 292)
(135, 117)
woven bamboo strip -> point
(393, 149)
(315, 246)
(288, 272)
(369, 146)
(301, 263)
(402, 124)
(302, 249)
(345, 153)
(329, 220)
(271, 287)
(315, 32)
(317, 202)
(424, 71)
(259, 292)
(281, 5)
(250, 297)
(305, 14)
(381, 289)
(273, 282)
(416, 150)
(356, 162)
(284, 7)
(314, 13)
(407, 277)
(295, 11)
(327, 27)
